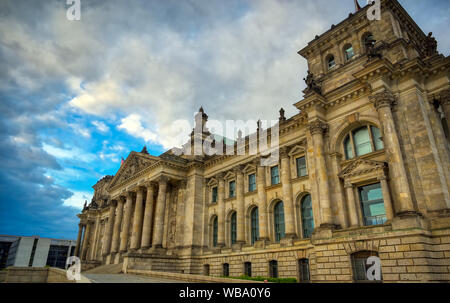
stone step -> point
(106, 269)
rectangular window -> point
(232, 189)
(301, 167)
(226, 270)
(214, 195)
(303, 266)
(251, 182)
(274, 174)
(372, 204)
(248, 269)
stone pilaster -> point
(109, 228)
(383, 102)
(126, 223)
(137, 222)
(87, 236)
(317, 129)
(445, 103)
(147, 228)
(287, 193)
(78, 244)
(351, 204)
(117, 224)
(386, 198)
(262, 203)
(159, 215)
(221, 208)
(240, 204)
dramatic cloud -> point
(76, 96)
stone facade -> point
(379, 80)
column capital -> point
(162, 180)
(383, 99)
(284, 152)
(348, 184)
(317, 127)
(220, 176)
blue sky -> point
(77, 96)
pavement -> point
(127, 278)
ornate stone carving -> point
(430, 45)
(282, 117)
(383, 99)
(317, 127)
(312, 86)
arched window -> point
(349, 53)
(273, 269)
(331, 62)
(279, 221)
(254, 225)
(233, 228)
(361, 268)
(362, 141)
(307, 216)
(303, 270)
(215, 231)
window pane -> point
(252, 182)
(303, 265)
(255, 225)
(348, 148)
(361, 138)
(233, 228)
(331, 62)
(279, 221)
(214, 194)
(307, 216)
(215, 226)
(349, 53)
(376, 135)
(301, 167)
(372, 204)
(274, 175)
(232, 188)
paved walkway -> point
(122, 278)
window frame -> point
(297, 167)
(279, 232)
(273, 268)
(350, 134)
(251, 176)
(215, 231)
(304, 276)
(272, 176)
(233, 228)
(303, 218)
(254, 225)
(347, 47)
(214, 194)
(248, 269)
(331, 58)
(362, 204)
(232, 194)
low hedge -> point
(272, 280)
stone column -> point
(262, 197)
(386, 198)
(351, 205)
(126, 222)
(117, 224)
(87, 236)
(137, 222)
(221, 209)
(240, 204)
(287, 194)
(383, 102)
(80, 233)
(148, 215)
(95, 242)
(110, 228)
(317, 128)
(159, 215)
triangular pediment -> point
(229, 175)
(362, 166)
(249, 168)
(135, 163)
(212, 182)
(297, 149)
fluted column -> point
(109, 228)
(159, 215)
(137, 222)
(351, 206)
(87, 236)
(383, 102)
(317, 128)
(262, 197)
(80, 233)
(386, 198)
(148, 215)
(126, 222)
(240, 204)
(117, 224)
(287, 193)
(221, 209)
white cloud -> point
(73, 154)
(133, 126)
(102, 127)
(77, 199)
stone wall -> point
(2, 276)
(35, 275)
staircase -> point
(106, 269)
